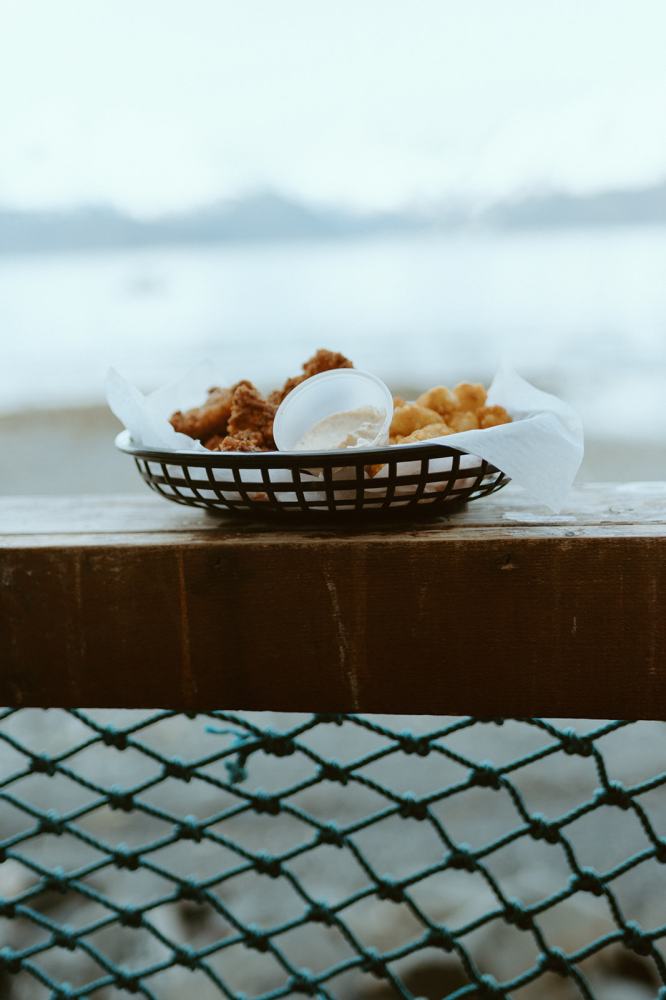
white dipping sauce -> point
(348, 429)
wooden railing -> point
(496, 611)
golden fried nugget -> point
(435, 430)
(440, 399)
(493, 416)
(463, 420)
(251, 412)
(470, 396)
(203, 422)
(410, 417)
(321, 361)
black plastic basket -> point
(376, 480)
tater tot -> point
(470, 396)
(410, 417)
(493, 416)
(425, 433)
(439, 398)
(463, 420)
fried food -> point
(244, 441)
(203, 422)
(493, 416)
(410, 417)
(241, 419)
(321, 361)
(440, 399)
(438, 429)
(463, 420)
(470, 396)
(251, 412)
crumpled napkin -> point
(541, 450)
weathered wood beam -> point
(500, 610)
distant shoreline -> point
(269, 217)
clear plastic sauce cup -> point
(321, 396)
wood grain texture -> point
(500, 610)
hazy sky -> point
(166, 104)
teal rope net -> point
(338, 856)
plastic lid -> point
(322, 395)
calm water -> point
(581, 312)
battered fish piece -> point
(493, 416)
(410, 417)
(425, 433)
(243, 441)
(322, 360)
(470, 396)
(251, 412)
(203, 422)
(463, 420)
(439, 398)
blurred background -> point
(430, 188)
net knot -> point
(51, 822)
(330, 834)
(131, 917)
(489, 987)
(387, 889)
(485, 776)
(265, 803)
(268, 865)
(587, 880)
(439, 937)
(374, 964)
(176, 768)
(462, 859)
(64, 937)
(189, 829)
(556, 961)
(614, 794)
(127, 981)
(409, 743)
(321, 914)
(542, 829)
(573, 743)
(516, 914)
(124, 858)
(41, 764)
(7, 907)
(413, 808)
(303, 983)
(114, 738)
(56, 881)
(10, 961)
(332, 771)
(192, 892)
(277, 744)
(337, 718)
(660, 851)
(256, 939)
(120, 799)
(636, 939)
(186, 957)
(63, 991)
